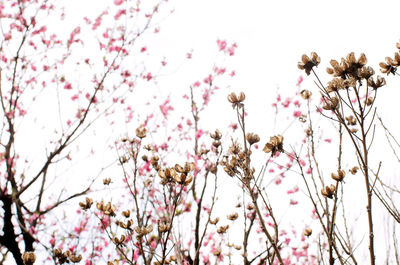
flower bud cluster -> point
(178, 174)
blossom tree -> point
(181, 191)
(59, 76)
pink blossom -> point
(148, 77)
(165, 108)
(233, 126)
(164, 147)
(145, 168)
(118, 2)
(231, 50)
(297, 114)
(208, 79)
(299, 81)
(196, 84)
(199, 133)
(221, 45)
(286, 103)
(219, 71)
(136, 255)
(119, 13)
(206, 96)
(68, 86)
(7, 36)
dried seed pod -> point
(215, 221)
(380, 82)
(351, 120)
(106, 181)
(76, 259)
(328, 191)
(274, 145)
(126, 213)
(233, 216)
(339, 176)
(222, 229)
(29, 258)
(217, 135)
(236, 100)
(307, 232)
(308, 63)
(353, 170)
(141, 132)
(87, 204)
(305, 94)
(252, 138)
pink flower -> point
(299, 81)
(136, 255)
(165, 108)
(297, 114)
(221, 44)
(119, 13)
(68, 86)
(7, 36)
(148, 76)
(231, 50)
(199, 133)
(196, 84)
(118, 2)
(208, 79)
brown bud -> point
(141, 132)
(215, 221)
(305, 94)
(307, 232)
(222, 229)
(76, 259)
(339, 176)
(217, 135)
(233, 216)
(107, 181)
(29, 258)
(354, 170)
(328, 191)
(236, 100)
(252, 138)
